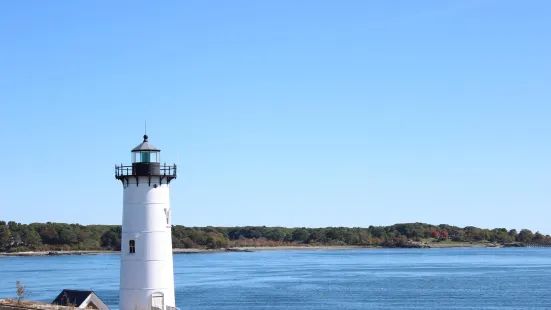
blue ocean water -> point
(305, 280)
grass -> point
(24, 304)
(22, 293)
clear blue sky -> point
(292, 113)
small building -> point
(80, 300)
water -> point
(306, 280)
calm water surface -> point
(306, 280)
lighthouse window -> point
(145, 157)
(132, 246)
(167, 213)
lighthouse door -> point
(157, 301)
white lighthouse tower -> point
(146, 273)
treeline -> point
(15, 237)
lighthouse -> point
(146, 267)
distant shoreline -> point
(76, 239)
(259, 249)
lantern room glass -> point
(146, 157)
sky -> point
(281, 113)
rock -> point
(238, 250)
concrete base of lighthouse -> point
(147, 276)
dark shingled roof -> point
(145, 146)
(73, 297)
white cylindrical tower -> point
(146, 275)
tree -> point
(5, 236)
(211, 242)
(30, 238)
(48, 234)
(56, 236)
(21, 290)
(316, 236)
(16, 238)
(67, 236)
(334, 234)
(501, 236)
(364, 238)
(538, 237)
(275, 235)
(525, 235)
(188, 243)
(13, 225)
(300, 235)
(112, 238)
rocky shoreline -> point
(55, 253)
(275, 248)
(73, 253)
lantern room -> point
(146, 153)
(145, 159)
(146, 162)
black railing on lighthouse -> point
(161, 174)
(123, 171)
